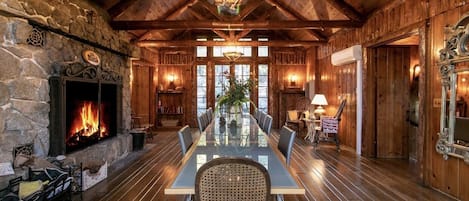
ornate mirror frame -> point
(454, 59)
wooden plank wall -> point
(396, 19)
(142, 88)
(392, 95)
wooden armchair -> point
(294, 119)
(330, 127)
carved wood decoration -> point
(456, 51)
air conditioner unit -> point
(347, 56)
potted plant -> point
(234, 97)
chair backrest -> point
(329, 124)
(200, 123)
(232, 179)
(267, 124)
(185, 139)
(205, 120)
(262, 117)
(210, 114)
(285, 142)
(256, 115)
(340, 110)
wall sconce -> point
(293, 81)
(416, 72)
(171, 79)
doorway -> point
(396, 69)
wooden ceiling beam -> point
(173, 13)
(264, 16)
(347, 10)
(179, 9)
(120, 7)
(193, 43)
(248, 9)
(238, 25)
(285, 9)
(213, 10)
(222, 34)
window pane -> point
(201, 51)
(242, 72)
(263, 89)
(220, 78)
(263, 81)
(262, 102)
(263, 51)
(201, 88)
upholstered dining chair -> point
(201, 122)
(267, 124)
(256, 115)
(185, 139)
(262, 117)
(232, 179)
(210, 114)
(285, 142)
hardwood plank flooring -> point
(325, 173)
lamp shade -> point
(319, 99)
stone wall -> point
(25, 68)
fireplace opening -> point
(86, 106)
(90, 114)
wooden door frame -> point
(369, 96)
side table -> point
(314, 127)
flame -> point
(87, 122)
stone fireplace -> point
(86, 102)
(35, 36)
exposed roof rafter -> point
(288, 11)
(347, 10)
(120, 7)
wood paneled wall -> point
(427, 18)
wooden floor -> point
(325, 174)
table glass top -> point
(224, 141)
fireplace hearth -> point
(85, 106)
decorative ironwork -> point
(37, 37)
(110, 76)
(456, 51)
(86, 72)
(25, 149)
(445, 71)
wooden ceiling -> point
(163, 23)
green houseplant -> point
(235, 95)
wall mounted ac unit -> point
(346, 56)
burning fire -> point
(87, 123)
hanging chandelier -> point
(228, 7)
(231, 53)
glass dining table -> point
(222, 140)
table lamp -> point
(319, 100)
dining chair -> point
(267, 124)
(210, 114)
(232, 179)
(185, 139)
(262, 117)
(285, 142)
(256, 114)
(201, 123)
